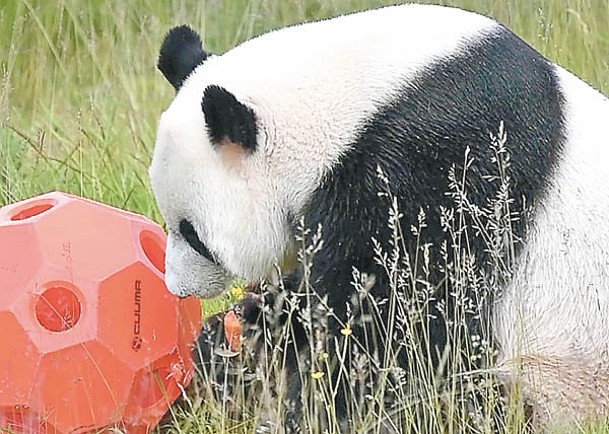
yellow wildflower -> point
(318, 375)
(347, 331)
(237, 291)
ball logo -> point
(136, 342)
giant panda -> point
(302, 129)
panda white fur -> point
(294, 124)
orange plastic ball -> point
(89, 335)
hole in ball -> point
(154, 249)
(58, 308)
(32, 209)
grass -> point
(80, 96)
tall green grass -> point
(80, 95)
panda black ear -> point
(228, 121)
(181, 52)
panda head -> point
(226, 214)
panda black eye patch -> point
(192, 238)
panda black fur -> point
(294, 126)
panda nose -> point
(188, 232)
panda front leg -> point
(276, 341)
(317, 349)
(332, 355)
(259, 375)
(272, 341)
